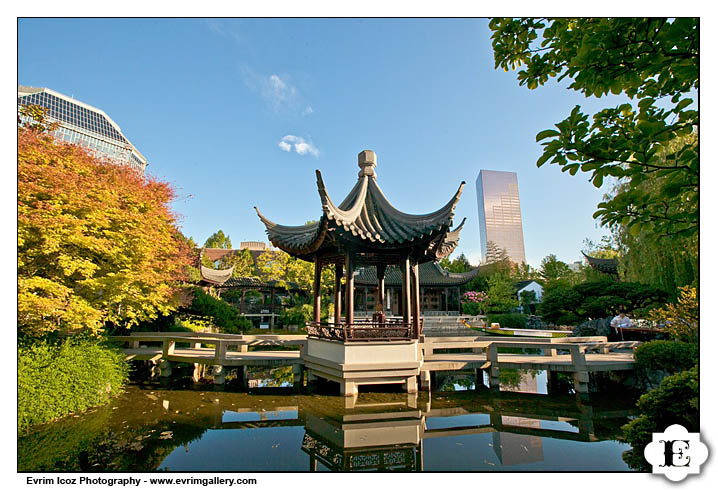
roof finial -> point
(367, 163)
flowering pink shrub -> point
(476, 297)
(474, 303)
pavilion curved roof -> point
(609, 266)
(215, 276)
(367, 221)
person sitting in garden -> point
(620, 321)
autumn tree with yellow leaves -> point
(97, 242)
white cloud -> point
(276, 90)
(230, 29)
(299, 144)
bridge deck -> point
(207, 356)
(437, 362)
(558, 363)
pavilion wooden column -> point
(317, 290)
(338, 273)
(380, 272)
(349, 301)
(416, 299)
(406, 291)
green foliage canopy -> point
(225, 316)
(552, 270)
(459, 265)
(651, 60)
(218, 240)
(502, 296)
(279, 266)
(598, 299)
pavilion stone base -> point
(363, 363)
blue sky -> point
(239, 112)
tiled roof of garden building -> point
(248, 282)
(430, 274)
(609, 266)
(366, 220)
(523, 284)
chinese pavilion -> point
(366, 230)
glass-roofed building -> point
(83, 124)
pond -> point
(184, 427)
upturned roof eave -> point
(367, 220)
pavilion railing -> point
(362, 330)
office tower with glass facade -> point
(83, 124)
(500, 224)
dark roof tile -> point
(430, 274)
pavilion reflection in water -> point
(391, 435)
(368, 436)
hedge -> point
(670, 356)
(55, 379)
(296, 316)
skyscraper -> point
(83, 124)
(500, 225)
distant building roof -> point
(519, 285)
(247, 282)
(609, 266)
(253, 245)
(430, 274)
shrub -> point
(681, 318)
(296, 316)
(193, 323)
(669, 356)
(595, 327)
(597, 299)
(597, 307)
(225, 316)
(510, 321)
(471, 308)
(300, 314)
(675, 401)
(559, 303)
(474, 303)
(55, 379)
